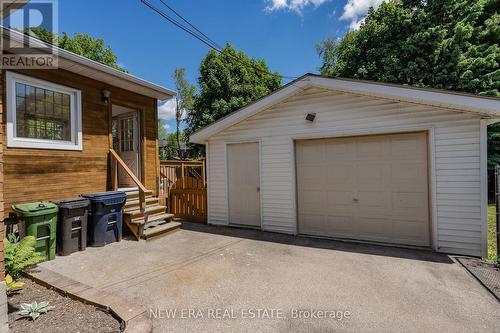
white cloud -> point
(356, 10)
(166, 110)
(292, 5)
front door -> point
(244, 184)
(128, 146)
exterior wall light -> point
(106, 94)
(310, 117)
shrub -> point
(20, 255)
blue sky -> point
(283, 32)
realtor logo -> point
(25, 23)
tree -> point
(167, 144)
(228, 81)
(184, 100)
(168, 147)
(81, 44)
(446, 44)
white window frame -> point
(13, 141)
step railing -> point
(117, 161)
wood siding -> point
(2, 226)
(455, 173)
(42, 174)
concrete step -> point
(158, 228)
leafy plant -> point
(82, 44)
(228, 81)
(12, 284)
(34, 310)
(19, 255)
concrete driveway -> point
(215, 279)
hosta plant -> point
(12, 285)
(34, 310)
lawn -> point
(492, 239)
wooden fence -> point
(183, 189)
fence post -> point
(497, 206)
(182, 175)
(203, 173)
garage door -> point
(371, 188)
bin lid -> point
(103, 195)
(35, 208)
(72, 203)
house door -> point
(127, 145)
(244, 184)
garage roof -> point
(83, 66)
(485, 107)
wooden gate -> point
(183, 189)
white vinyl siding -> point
(455, 138)
(217, 185)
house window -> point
(127, 134)
(41, 114)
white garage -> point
(355, 160)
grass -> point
(492, 238)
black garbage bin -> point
(72, 225)
(106, 217)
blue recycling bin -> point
(106, 217)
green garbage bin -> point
(40, 221)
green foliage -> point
(12, 285)
(228, 81)
(168, 145)
(33, 310)
(493, 145)
(446, 44)
(81, 44)
(184, 100)
(185, 90)
(20, 255)
(492, 234)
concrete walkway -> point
(215, 279)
